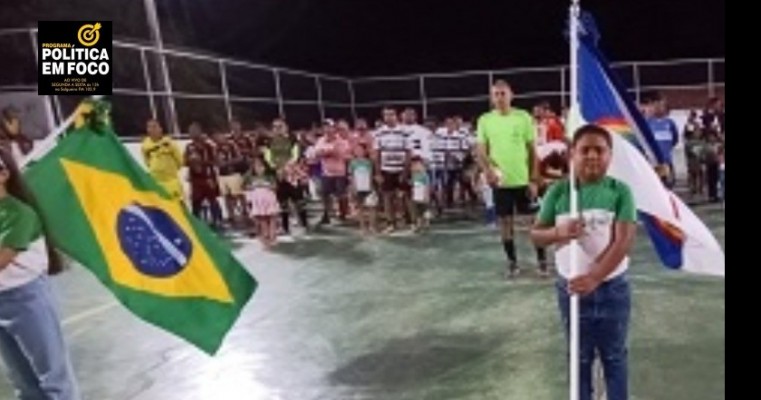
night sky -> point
(371, 37)
(380, 37)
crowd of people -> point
(704, 136)
(400, 174)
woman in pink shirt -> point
(334, 153)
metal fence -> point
(213, 90)
(686, 82)
(205, 88)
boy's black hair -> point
(592, 129)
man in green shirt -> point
(506, 155)
(283, 151)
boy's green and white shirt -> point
(361, 170)
(601, 204)
(420, 184)
(21, 230)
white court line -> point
(352, 233)
(88, 313)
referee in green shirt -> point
(506, 154)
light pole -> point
(155, 27)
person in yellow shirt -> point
(163, 159)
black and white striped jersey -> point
(418, 141)
(439, 151)
(391, 144)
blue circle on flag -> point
(154, 242)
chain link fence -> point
(213, 90)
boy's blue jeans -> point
(604, 322)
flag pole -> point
(44, 146)
(574, 12)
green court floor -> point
(396, 318)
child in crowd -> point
(295, 174)
(421, 194)
(314, 167)
(260, 194)
(361, 173)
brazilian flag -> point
(108, 214)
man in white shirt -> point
(438, 167)
(453, 142)
(391, 156)
(418, 136)
(468, 164)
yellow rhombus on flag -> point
(108, 214)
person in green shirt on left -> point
(31, 340)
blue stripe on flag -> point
(603, 98)
(602, 95)
(669, 249)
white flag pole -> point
(44, 146)
(574, 312)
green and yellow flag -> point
(109, 215)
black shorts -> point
(454, 176)
(438, 179)
(334, 186)
(420, 209)
(286, 191)
(511, 201)
(392, 182)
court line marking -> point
(88, 313)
